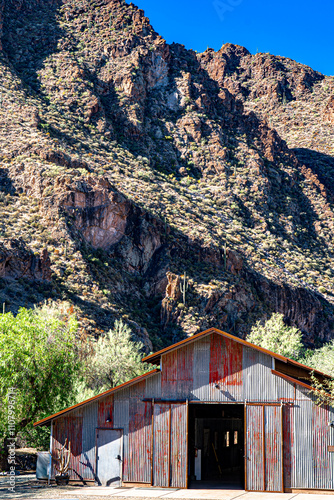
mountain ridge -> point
(132, 161)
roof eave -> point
(47, 420)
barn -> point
(218, 410)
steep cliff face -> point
(134, 162)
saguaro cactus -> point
(225, 256)
(184, 287)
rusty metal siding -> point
(169, 374)
(88, 456)
(259, 382)
(321, 459)
(331, 443)
(105, 412)
(178, 446)
(177, 374)
(254, 448)
(285, 390)
(161, 445)
(225, 369)
(121, 421)
(140, 436)
(273, 448)
(69, 428)
(185, 365)
(153, 386)
(303, 476)
(201, 370)
(170, 445)
(288, 444)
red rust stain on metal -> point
(69, 428)
(178, 446)
(105, 412)
(287, 444)
(321, 438)
(177, 372)
(138, 467)
(185, 370)
(225, 361)
(169, 373)
(161, 459)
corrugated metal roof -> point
(155, 357)
(47, 420)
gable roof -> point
(47, 420)
(156, 357)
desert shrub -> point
(276, 336)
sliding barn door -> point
(169, 458)
(263, 448)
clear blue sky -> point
(300, 29)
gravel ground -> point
(27, 487)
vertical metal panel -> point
(43, 465)
(140, 436)
(88, 455)
(254, 448)
(169, 375)
(178, 462)
(302, 393)
(288, 447)
(185, 362)
(161, 445)
(285, 390)
(177, 375)
(273, 448)
(69, 428)
(105, 412)
(302, 476)
(153, 386)
(331, 443)
(259, 382)
(323, 473)
(121, 421)
(225, 369)
(201, 369)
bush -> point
(275, 336)
(115, 360)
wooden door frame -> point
(263, 405)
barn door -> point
(263, 448)
(169, 458)
(108, 457)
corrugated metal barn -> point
(218, 409)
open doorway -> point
(216, 446)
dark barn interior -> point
(216, 445)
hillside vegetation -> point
(127, 163)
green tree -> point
(322, 359)
(116, 359)
(277, 337)
(39, 364)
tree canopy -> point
(116, 359)
(276, 336)
(39, 361)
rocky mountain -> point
(131, 169)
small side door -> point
(109, 457)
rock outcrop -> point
(133, 161)
(18, 261)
